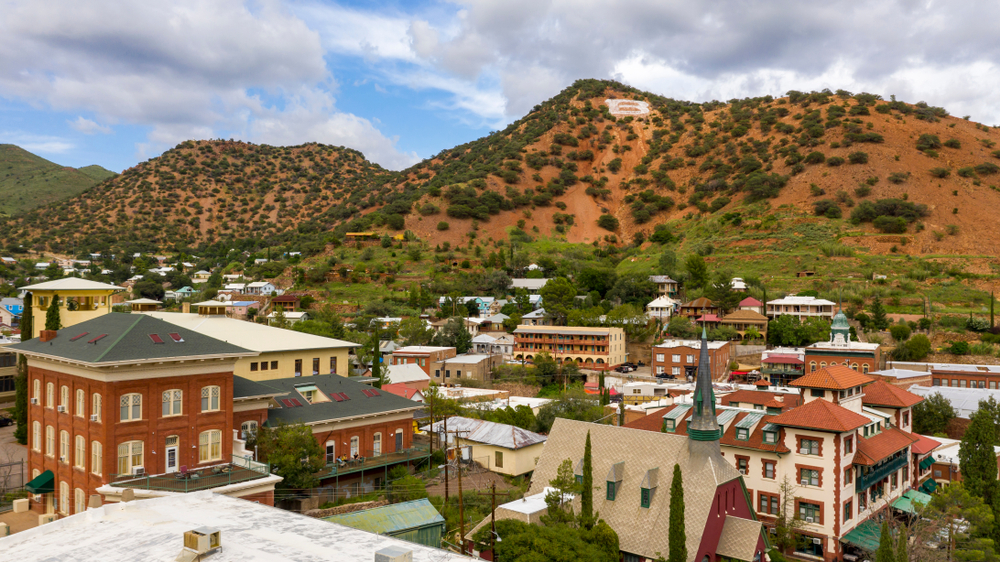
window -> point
(676, 358)
(447, 373)
(847, 510)
(274, 365)
(936, 382)
(690, 359)
(129, 456)
(298, 367)
(96, 457)
(315, 365)
(131, 407)
(906, 418)
(808, 477)
(864, 368)
(675, 371)
(437, 373)
(817, 393)
(377, 445)
(172, 402)
(81, 501)
(809, 447)
(848, 476)
(743, 463)
(36, 436)
(64, 498)
(263, 365)
(355, 443)
(95, 407)
(769, 470)
(812, 366)
(499, 459)
(331, 452)
(893, 481)
(50, 395)
(64, 446)
(333, 365)
(809, 512)
(670, 425)
(822, 364)
(906, 474)
(64, 398)
(742, 433)
(37, 391)
(848, 444)
(253, 367)
(50, 441)
(659, 357)
(209, 398)
(80, 460)
(611, 491)
(81, 403)
(210, 445)
(248, 429)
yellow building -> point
(283, 353)
(79, 300)
(8, 372)
(499, 447)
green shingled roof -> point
(358, 403)
(114, 338)
(246, 388)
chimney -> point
(95, 501)
(186, 307)
(47, 335)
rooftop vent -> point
(394, 554)
(198, 542)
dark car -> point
(4, 422)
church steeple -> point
(703, 425)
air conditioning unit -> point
(202, 540)
(773, 530)
(394, 554)
(743, 471)
(138, 470)
(804, 482)
(804, 451)
(34, 401)
(94, 418)
(62, 459)
(37, 498)
(809, 520)
(817, 541)
(61, 409)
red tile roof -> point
(882, 445)
(654, 422)
(881, 393)
(762, 383)
(924, 445)
(762, 398)
(708, 318)
(823, 416)
(836, 377)
(783, 360)
(750, 301)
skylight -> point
(176, 337)
(74, 338)
(156, 338)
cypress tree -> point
(992, 324)
(976, 458)
(677, 534)
(52, 319)
(902, 554)
(885, 552)
(21, 380)
(587, 493)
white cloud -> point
(88, 127)
(39, 144)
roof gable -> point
(881, 393)
(823, 416)
(882, 445)
(835, 377)
(359, 400)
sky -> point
(116, 83)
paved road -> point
(10, 449)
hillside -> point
(744, 176)
(28, 181)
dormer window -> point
(770, 437)
(648, 488)
(742, 433)
(614, 480)
(669, 425)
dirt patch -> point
(478, 482)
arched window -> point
(36, 436)
(64, 398)
(81, 403)
(64, 498)
(210, 445)
(172, 402)
(854, 366)
(96, 457)
(95, 407)
(129, 456)
(355, 442)
(812, 366)
(248, 429)
(37, 391)
(80, 459)
(131, 407)
(50, 395)
(50, 441)
(64, 446)
(822, 365)
(209, 398)
(377, 445)
(81, 501)
(864, 368)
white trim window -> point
(377, 445)
(95, 406)
(36, 436)
(50, 395)
(64, 498)
(210, 446)
(64, 446)
(81, 501)
(355, 444)
(81, 403)
(131, 407)
(80, 459)
(248, 429)
(130, 455)
(64, 398)
(37, 391)
(210, 398)
(172, 400)
(96, 457)
(50, 441)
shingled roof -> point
(353, 399)
(881, 393)
(835, 377)
(128, 338)
(823, 416)
(882, 445)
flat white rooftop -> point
(249, 335)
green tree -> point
(633, 320)
(558, 298)
(631, 289)
(21, 380)
(52, 319)
(900, 332)
(879, 319)
(977, 460)
(279, 320)
(681, 327)
(932, 415)
(914, 349)
(902, 552)
(697, 271)
(406, 488)
(293, 453)
(675, 529)
(786, 523)
(525, 542)
(415, 331)
(782, 331)
(885, 551)
(964, 523)
(722, 294)
(454, 334)
(564, 486)
(587, 517)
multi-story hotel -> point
(589, 348)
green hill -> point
(28, 181)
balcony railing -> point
(336, 468)
(238, 470)
(867, 479)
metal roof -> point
(677, 412)
(358, 403)
(727, 416)
(490, 433)
(750, 420)
(390, 519)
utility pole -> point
(493, 522)
(446, 460)
(461, 504)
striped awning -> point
(926, 463)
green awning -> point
(926, 463)
(44, 483)
(909, 500)
(929, 486)
(865, 536)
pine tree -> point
(52, 319)
(976, 458)
(677, 535)
(587, 518)
(21, 381)
(879, 318)
(902, 554)
(884, 552)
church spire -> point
(703, 425)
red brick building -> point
(679, 358)
(422, 356)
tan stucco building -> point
(79, 300)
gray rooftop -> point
(490, 433)
(357, 403)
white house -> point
(259, 288)
(661, 308)
(801, 307)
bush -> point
(608, 222)
(987, 169)
(858, 157)
(827, 208)
(967, 172)
(977, 324)
(959, 348)
(862, 191)
(442, 226)
(900, 332)
(927, 141)
(940, 172)
(890, 225)
(953, 143)
(899, 177)
(952, 229)
(815, 158)
(615, 165)
(834, 161)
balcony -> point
(527, 350)
(867, 479)
(206, 478)
(561, 341)
(416, 452)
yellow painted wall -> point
(96, 302)
(515, 463)
(286, 363)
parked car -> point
(4, 421)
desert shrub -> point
(867, 211)
(858, 157)
(827, 208)
(953, 143)
(442, 226)
(940, 172)
(834, 161)
(977, 324)
(928, 141)
(615, 165)
(815, 157)
(987, 169)
(959, 348)
(890, 225)
(429, 209)
(862, 191)
(899, 177)
(900, 332)
(952, 229)
(608, 222)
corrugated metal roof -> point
(490, 433)
(391, 519)
(771, 427)
(677, 412)
(750, 420)
(727, 416)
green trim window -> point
(669, 425)
(742, 433)
(770, 437)
(611, 491)
(646, 498)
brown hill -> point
(562, 169)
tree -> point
(677, 534)
(415, 331)
(914, 349)
(786, 523)
(885, 551)
(965, 522)
(900, 332)
(879, 319)
(21, 381)
(279, 320)
(902, 553)
(293, 454)
(631, 289)
(587, 516)
(52, 319)
(633, 320)
(932, 416)
(977, 460)
(681, 327)
(558, 499)
(406, 487)
(558, 297)
(697, 271)
(722, 293)
(149, 289)
(525, 542)
(454, 334)
(380, 372)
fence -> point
(12, 481)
